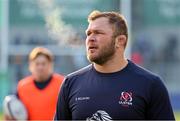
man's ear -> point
(120, 41)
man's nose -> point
(91, 39)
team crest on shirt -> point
(126, 99)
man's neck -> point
(111, 66)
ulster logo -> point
(126, 99)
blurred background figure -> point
(142, 50)
(39, 91)
(59, 25)
(170, 49)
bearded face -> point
(103, 53)
(100, 43)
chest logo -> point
(82, 98)
(126, 99)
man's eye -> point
(98, 33)
(88, 33)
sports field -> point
(177, 115)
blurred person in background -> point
(170, 49)
(112, 87)
(39, 91)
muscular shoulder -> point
(147, 82)
(80, 72)
(78, 76)
(142, 73)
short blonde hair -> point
(41, 51)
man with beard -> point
(112, 87)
